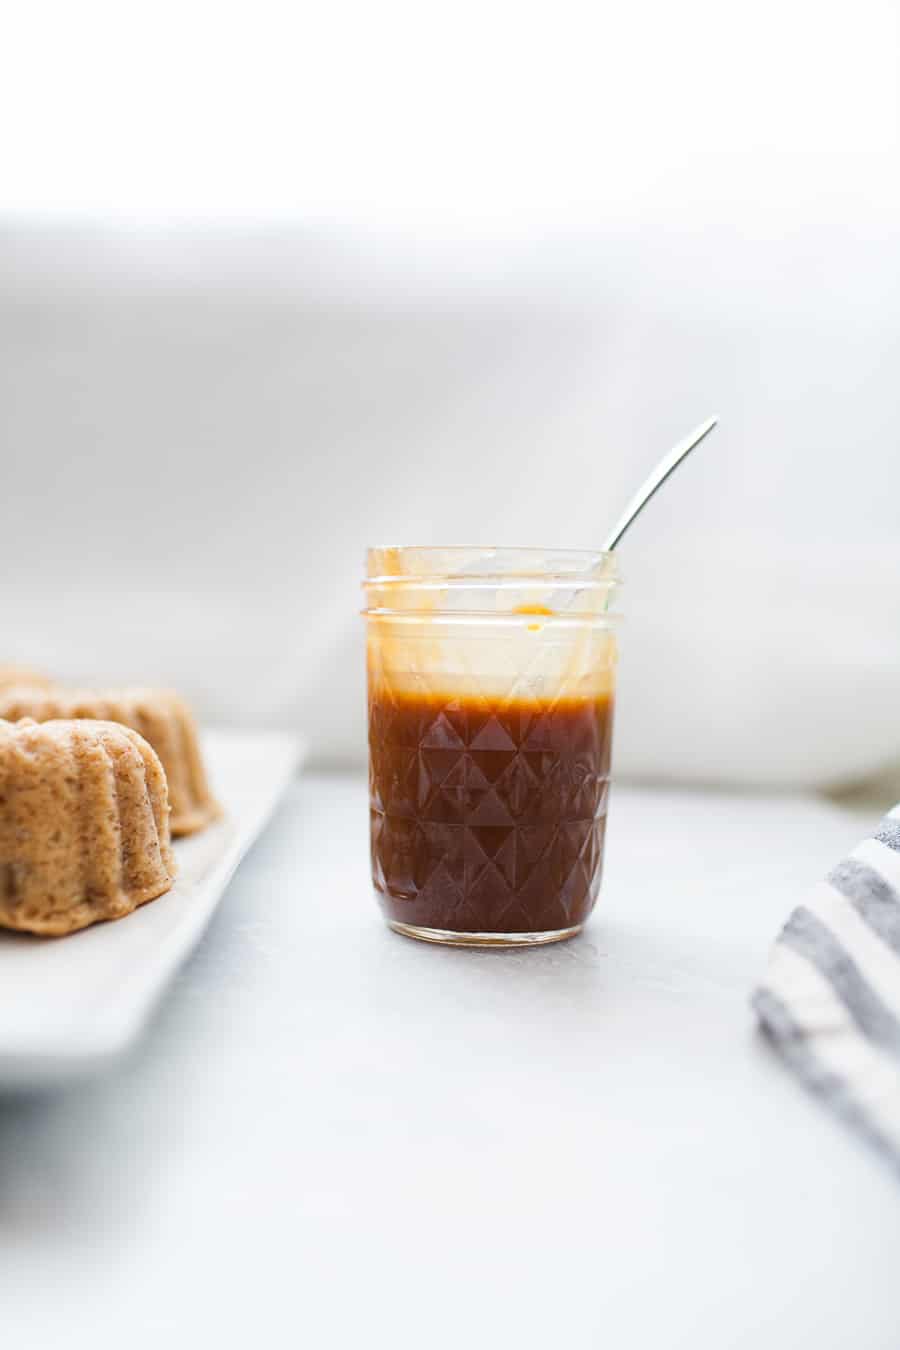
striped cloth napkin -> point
(830, 1001)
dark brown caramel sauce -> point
(488, 816)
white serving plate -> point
(70, 1006)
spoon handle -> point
(656, 479)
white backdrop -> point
(470, 298)
(201, 434)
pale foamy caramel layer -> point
(528, 662)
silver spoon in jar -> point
(561, 600)
(655, 480)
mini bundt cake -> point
(13, 675)
(159, 715)
(84, 825)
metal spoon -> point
(655, 481)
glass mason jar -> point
(491, 677)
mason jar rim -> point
(510, 587)
(429, 618)
(564, 565)
(493, 581)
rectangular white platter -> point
(71, 1006)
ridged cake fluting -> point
(84, 825)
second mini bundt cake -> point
(13, 675)
(159, 715)
(84, 825)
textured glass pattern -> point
(487, 813)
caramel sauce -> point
(533, 609)
(488, 816)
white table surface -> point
(333, 1136)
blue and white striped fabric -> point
(830, 1001)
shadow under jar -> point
(491, 677)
